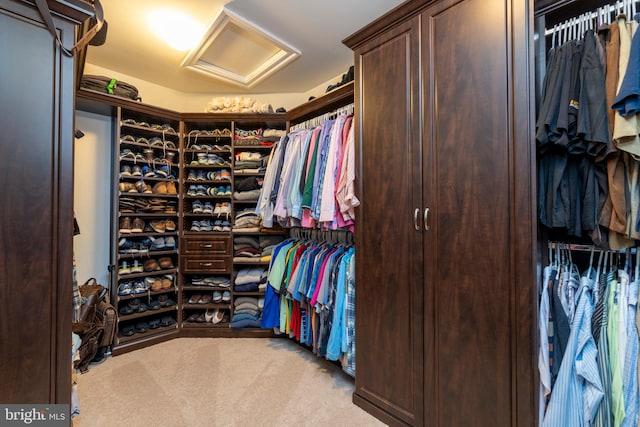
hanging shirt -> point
(578, 389)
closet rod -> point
(584, 248)
(606, 9)
(345, 110)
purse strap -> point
(44, 10)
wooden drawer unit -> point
(210, 254)
(208, 246)
(201, 264)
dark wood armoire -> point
(36, 202)
(445, 267)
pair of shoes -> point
(214, 316)
(196, 318)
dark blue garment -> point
(627, 102)
(271, 310)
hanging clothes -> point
(310, 297)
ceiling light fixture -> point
(178, 30)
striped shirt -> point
(577, 392)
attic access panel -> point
(238, 51)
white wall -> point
(92, 195)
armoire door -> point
(36, 171)
(472, 189)
(389, 345)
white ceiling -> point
(314, 27)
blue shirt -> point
(577, 392)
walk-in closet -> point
(420, 212)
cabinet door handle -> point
(206, 264)
(426, 219)
(206, 245)
(415, 219)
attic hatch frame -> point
(284, 52)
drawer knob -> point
(206, 245)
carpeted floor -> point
(218, 382)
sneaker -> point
(217, 209)
(124, 268)
(139, 287)
(125, 171)
(214, 159)
(136, 267)
(217, 296)
(205, 225)
(192, 175)
(226, 296)
(217, 225)
(195, 226)
(225, 209)
(163, 171)
(208, 208)
(125, 288)
(158, 243)
(200, 176)
(137, 225)
(136, 170)
(126, 246)
(125, 225)
(193, 190)
(202, 158)
(170, 225)
(226, 226)
(202, 190)
(225, 175)
(196, 206)
(147, 172)
(158, 226)
(170, 243)
(213, 191)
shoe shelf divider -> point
(146, 174)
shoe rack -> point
(145, 271)
(206, 190)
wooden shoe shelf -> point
(156, 153)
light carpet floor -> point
(218, 382)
